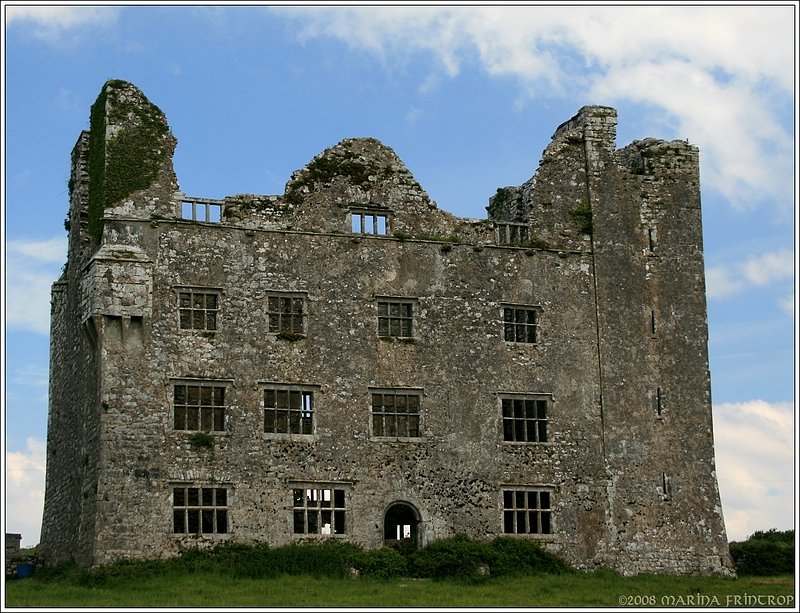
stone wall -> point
(607, 252)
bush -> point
(458, 556)
(517, 556)
(463, 557)
(383, 563)
(765, 553)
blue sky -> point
(468, 97)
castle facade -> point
(347, 361)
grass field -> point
(601, 589)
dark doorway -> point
(400, 525)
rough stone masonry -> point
(347, 361)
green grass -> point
(211, 589)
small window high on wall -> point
(209, 211)
(369, 221)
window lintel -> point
(319, 485)
(392, 390)
(199, 288)
(516, 305)
(288, 386)
(200, 381)
(524, 394)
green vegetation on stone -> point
(129, 160)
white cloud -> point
(758, 270)
(786, 304)
(720, 283)
(755, 465)
(25, 482)
(53, 22)
(716, 74)
(774, 266)
(31, 269)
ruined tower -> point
(347, 361)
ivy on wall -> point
(130, 159)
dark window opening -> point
(659, 402)
(286, 314)
(400, 525)
(520, 324)
(527, 512)
(512, 233)
(318, 511)
(288, 411)
(199, 510)
(524, 419)
(198, 407)
(395, 414)
(666, 487)
(395, 318)
(198, 310)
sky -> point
(468, 96)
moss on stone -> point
(129, 160)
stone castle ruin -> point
(347, 361)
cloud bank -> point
(25, 481)
(31, 268)
(54, 23)
(756, 271)
(755, 465)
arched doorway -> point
(401, 525)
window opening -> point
(512, 233)
(198, 407)
(651, 239)
(288, 411)
(201, 210)
(369, 222)
(318, 511)
(395, 317)
(527, 512)
(659, 402)
(199, 510)
(395, 413)
(400, 525)
(524, 419)
(666, 487)
(286, 313)
(653, 323)
(520, 324)
(198, 309)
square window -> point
(524, 419)
(289, 410)
(520, 324)
(198, 309)
(527, 511)
(318, 511)
(395, 413)
(286, 313)
(395, 317)
(199, 510)
(198, 406)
